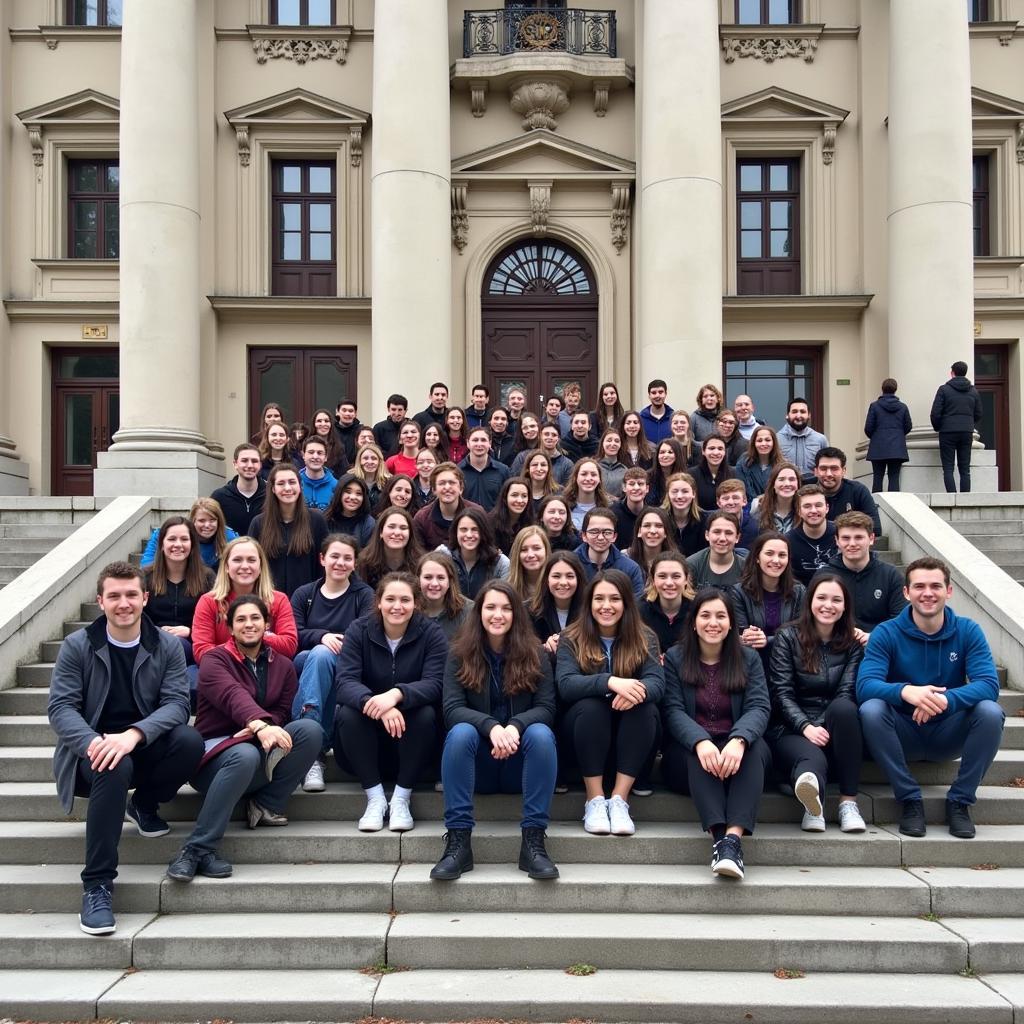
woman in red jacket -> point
(253, 749)
(243, 570)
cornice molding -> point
(787, 308)
(277, 309)
(298, 43)
(55, 311)
(52, 35)
(1004, 31)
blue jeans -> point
(317, 691)
(894, 738)
(467, 768)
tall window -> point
(301, 12)
(767, 12)
(980, 166)
(304, 260)
(94, 12)
(772, 375)
(768, 223)
(92, 209)
(977, 10)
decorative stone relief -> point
(478, 97)
(1020, 142)
(300, 50)
(460, 217)
(770, 50)
(35, 140)
(540, 101)
(620, 214)
(601, 89)
(242, 135)
(540, 206)
(828, 149)
(355, 145)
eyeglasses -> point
(592, 532)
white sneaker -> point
(314, 780)
(813, 822)
(618, 817)
(850, 819)
(807, 792)
(373, 818)
(595, 817)
(399, 815)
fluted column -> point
(411, 197)
(931, 263)
(680, 202)
(158, 448)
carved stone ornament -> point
(1020, 142)
(355, 145)
(35, 140)
(770, 50)
(601, 89)
(478, 97)
(242, 135)
(828, 149)
(540, 206)
(300, 50)
(460, 217)
(620, 214)
(539, 102)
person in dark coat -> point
(955, 415)
(887, 424)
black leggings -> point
(719, 803)
(844, 753)
(879, 467)
(362, 746)
(591, 727)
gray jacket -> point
(800, 448)
(81, 682)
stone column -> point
(159, 449)
(680, 199)
(931, 263)
(411, 201)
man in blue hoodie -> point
(928, 691)
(318, 484)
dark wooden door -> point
(539, 323)
(300, 380)
(992, 379)
(86, 414)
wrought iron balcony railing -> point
(539, 30)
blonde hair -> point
(382, 474)
(516, 573)
(212, 506)
(222, 584)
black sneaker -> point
(457, 857)
(727, 859)
(191, 862)
(533, 855)
(149, 823)
(912, 821)
(958, 817)
(97, 916)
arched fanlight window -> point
(538, 268)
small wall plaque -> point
(843, 382)
(97, 332)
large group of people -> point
(500, 600)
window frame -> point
(102, 198)
(306, 266)
(766, 263)
(273, 15)
(102, 16)
(982, 203)
(765, 12)
(814, 354)
(978, 12)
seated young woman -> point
(392, 548)
(526, 561)
(349, 510)
(275, 449)
(410, 440)
(369, 466)
(471, 547)
(667, 598)
(499, 709)
(776, 508)
(681, 505)
(253, 748)
(435, 441)
(715, 713)
(584, 490)
(212, 532)
(608, 671)
(553, 517)
(512, 511)
(767, 595)
(422, 489)
(815, 727)
(652, 535)
(711, 469)
(558, 599)
(440, 596)
(455, 433)
(762, 456)
(636, 449)
(389, 680)
(398, 492)
(289, 532)
(323, 611)
(176, 581)
(243, 570)
(611, 460)
(322, 425)
(669, 458)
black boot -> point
(457, 856)
(533, 857)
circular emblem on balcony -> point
(539, 31)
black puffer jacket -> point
(957, 406)
(887, 424)
(799, 697)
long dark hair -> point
(774, 457)
(505, 529)
(487, 551)
(197, 578)
(454, 600)
(630, 649)
(399, 576)
(657, 475)
(521, 661)
(598, 412)
(271, 535)
(750, 574)
(543, 603)
(335, 513)
(336, 454)
(384, 501)
(637, 548)
(372, 563)
(644, 449)
(843, 638)
(769, 500)
(732, 673)
(522, 444)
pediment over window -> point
(780, 105)
(85, 107)
(542, 152)
(297, 106)
(989, 106)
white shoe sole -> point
(314, 787)
(104, 930)
(728, 868)
(817, 825)
(806, 790)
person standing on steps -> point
(242, 497)
(119, 705)
(887, 424)
(955, 415)
(499, 708)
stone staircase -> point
(26, 537)
(995, 529)
(320, 922)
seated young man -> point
(928, 691)
(718, 565)
(812, 541)
(580, 442)
(841, 493)
(598, 551)
(731, 496)
(242, 497)
(318, 483)
(628, 508)
(119, 704)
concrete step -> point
(90, 611)
(21, 556)
(55, 941)
(48, 650)
(996, 541)
(8, 574)
(972, 528)
(689, 942)
(53, 532)
(961, 891)
(996, 805)
(35, 674)
(25, 700)
(25, 731)
(1013, 733)
(74, 626)
(995, 847)
(996, 943)
(57, 888)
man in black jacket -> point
(241, 498)
(842, 494)
(386, 431)
(955, 415)
(346, 427)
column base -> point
(162, 474)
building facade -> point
(210, 204)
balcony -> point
(538, 30)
